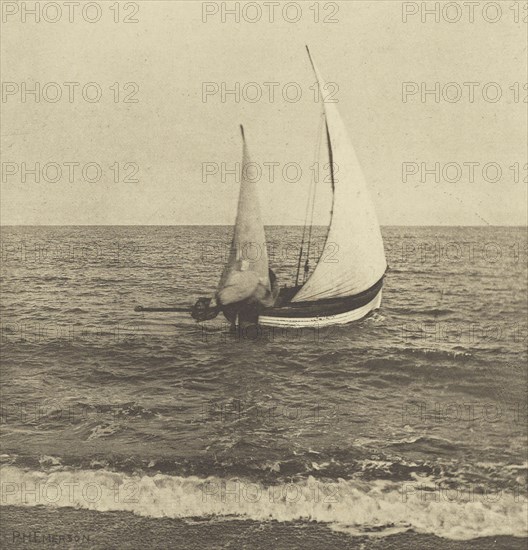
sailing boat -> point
(334, 293)
(349, 289)
(246, 285)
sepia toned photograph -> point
(264, 274)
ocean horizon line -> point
(231, 225)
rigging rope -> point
(318, 151)
(311, 199)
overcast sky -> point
(171, 131)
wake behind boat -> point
(334, 293)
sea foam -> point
(373, 508)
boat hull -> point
(324, 313)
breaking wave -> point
(356, 507)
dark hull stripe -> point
(327, 307)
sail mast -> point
(309, 214)
(330, 159)
(328, 140)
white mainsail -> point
(246, 272)
(354, 229)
